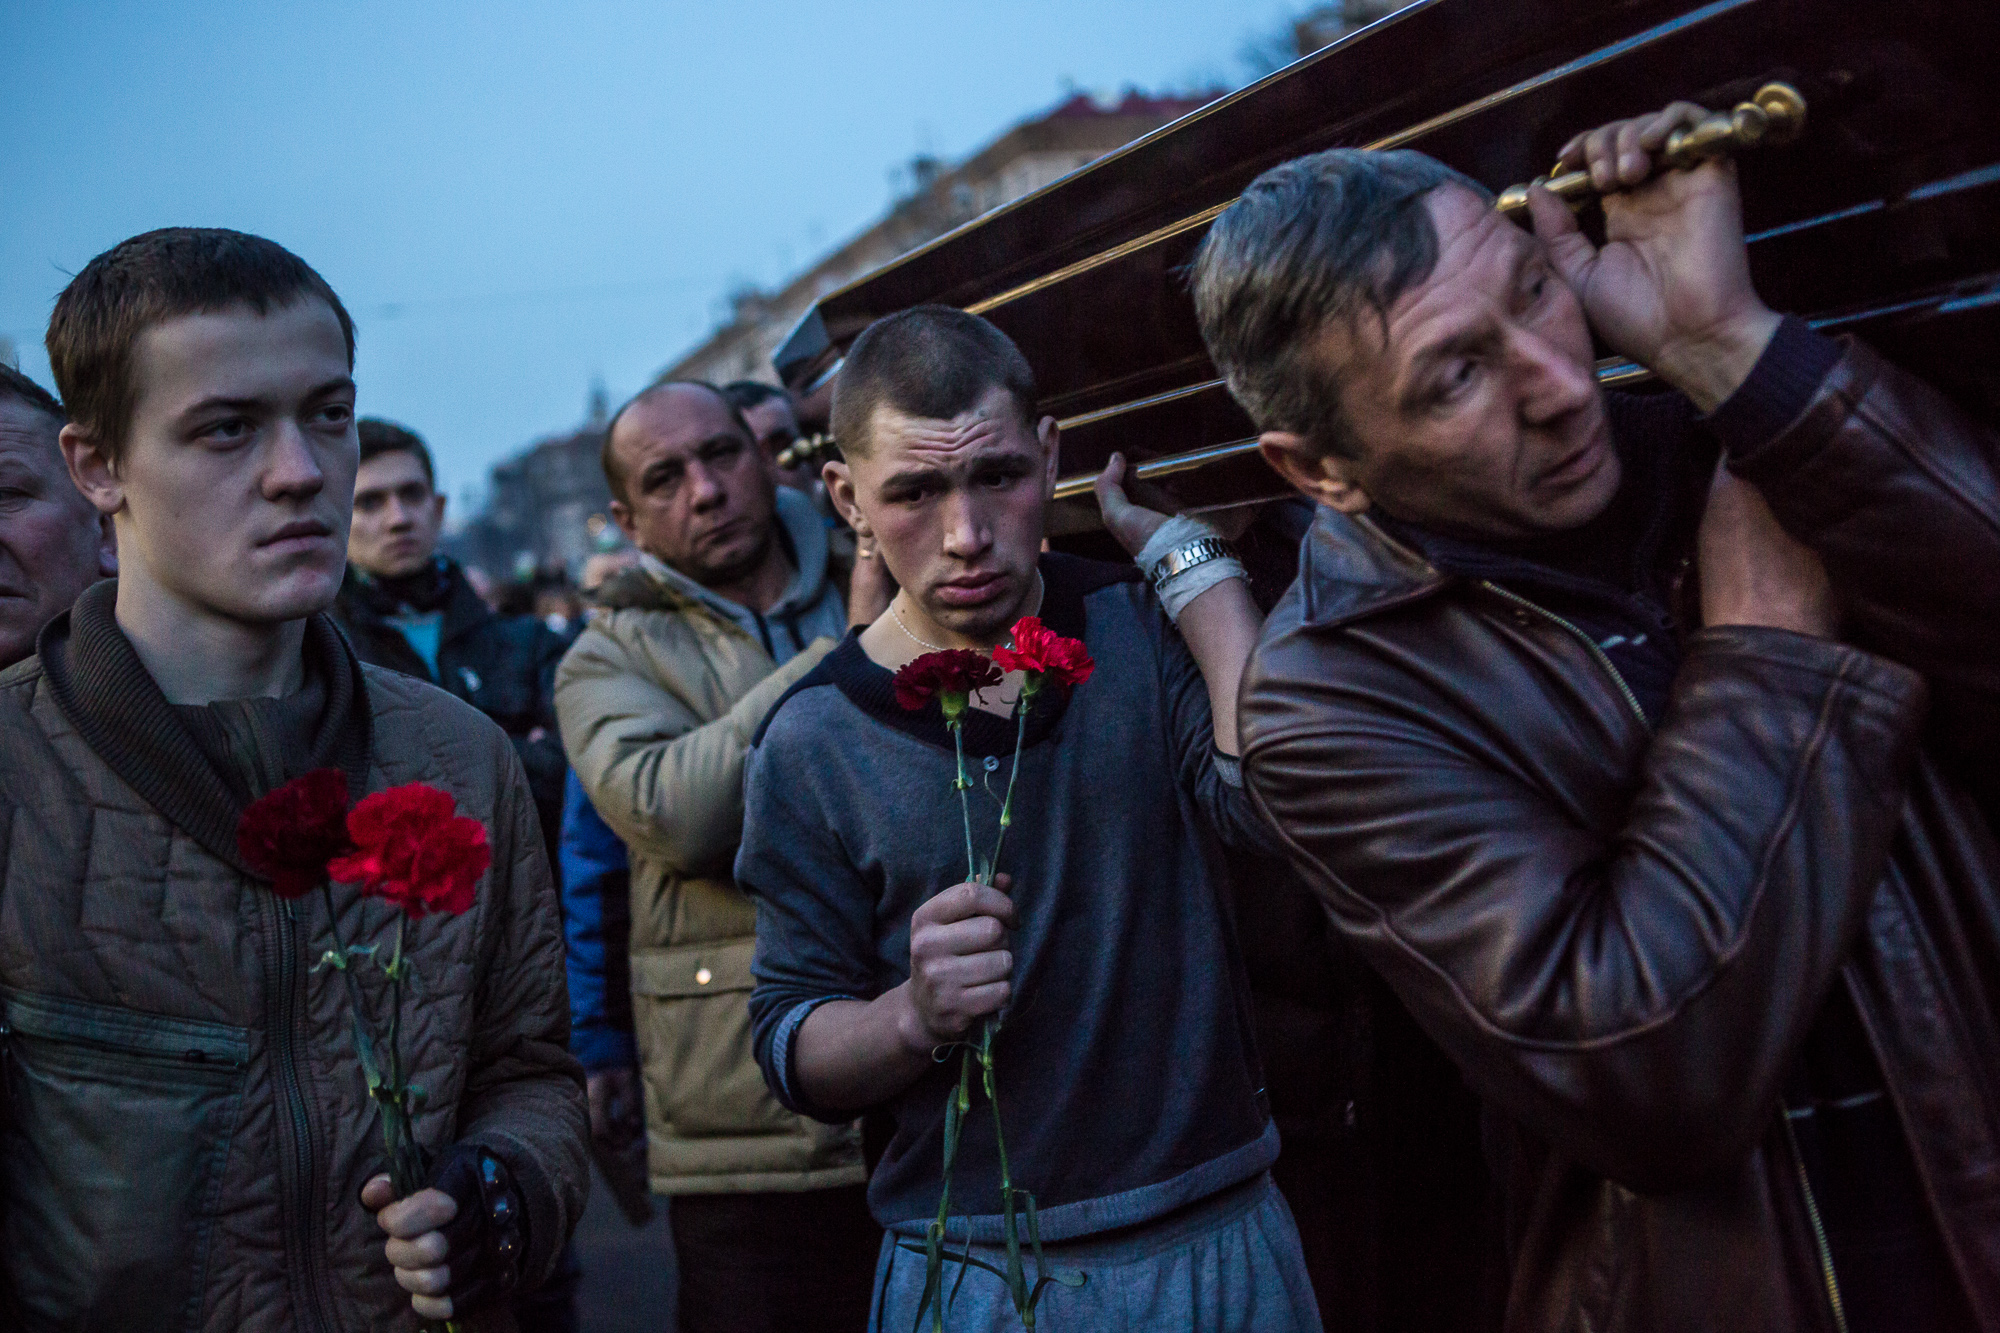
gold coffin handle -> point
(1775, 116)
(810, 449)
(1077, 486)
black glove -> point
(488, 1237)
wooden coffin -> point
(1883, 218)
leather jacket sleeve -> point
(1898, 491)
(1627, 970)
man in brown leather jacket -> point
(1665, 803)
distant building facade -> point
(1019, 162)
(546, 507)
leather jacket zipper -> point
(285, 1073)
(1825, 1251)
(1589, 643)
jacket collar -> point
(368, 600)
(1351, 568)
(106, 693)
(804, 533)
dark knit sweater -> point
(1126, 1064)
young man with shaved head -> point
(53, 542)
(1662, 793)
(1128, 1077)
(737, 595)
(190, 1142)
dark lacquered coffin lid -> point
(1882, 219)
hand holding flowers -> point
(959, 962)
(958, 967)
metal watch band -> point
(1185, 557)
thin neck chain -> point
(901, 624)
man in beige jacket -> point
(735, 599)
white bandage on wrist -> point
(1177, 591)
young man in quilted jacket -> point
(1661, 792)
(190, 1142)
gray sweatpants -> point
(1228, 1264)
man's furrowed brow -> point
(905, 478)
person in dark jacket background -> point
(410, 609)
(1694, 885)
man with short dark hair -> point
(1678, 870)
(1127, 1068)
(411, 609)
(737, 595)
(53, 544)
(190, 1138)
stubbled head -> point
(689, 485)
(945, 467)
(209, 379)
(53, 544)
(1401, 344)
(398, 513)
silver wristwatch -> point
(1185, 557)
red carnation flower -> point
(1041, 651)
(290, 833)
(410, 848)
(949, 676)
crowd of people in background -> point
(1541, 876)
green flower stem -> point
(935, 1299)
(1017, 1284)
(405, 1164)
(957, 724)
(406, 1173)
(1028, 691)
(363, 1045)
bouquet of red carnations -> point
(405, 845)
(951, 677)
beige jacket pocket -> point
(691, 1012)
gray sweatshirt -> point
(1127, 1070)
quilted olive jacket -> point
(658, 700)
(189, 1128)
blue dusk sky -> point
(515, 199)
